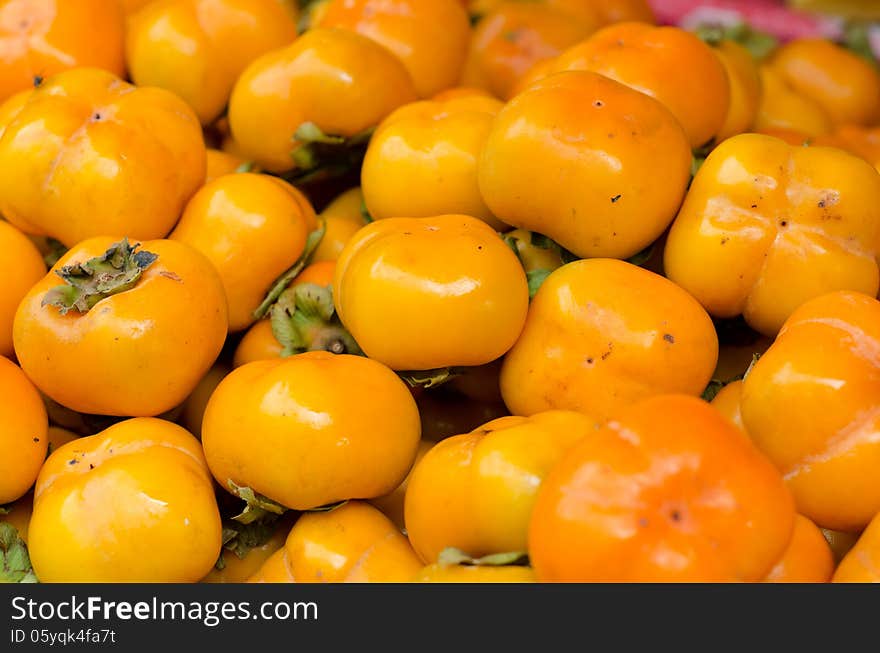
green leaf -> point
(257, 506)
(759, 44)
(429, 378)
(239, 539)
(312, 242)
(317, 155)
(535, 279)
(87, 283)
(715, 386)
(857, 38)
(453, 556)
(15, 564)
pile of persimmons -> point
(434, 291)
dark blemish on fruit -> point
(668, 337)
(643, 522)
(615, 198)
(783, 223)
(480, 247)
(72, 462)
(91, 466)
(170, 275)
(821, 204)
(675, 516)
(590, 361)
(754, 206)
(608, 353)
(598, 103)
(724, 240)
(38, 81)
(36, 439)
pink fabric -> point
(769, 16)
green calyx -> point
(304, 319)
(453, 556)
(857, 38)
(87, 283)
(281, 284)
(15, 564)
(257, 507)
(318, 156)
(239, 538)
(759, 44)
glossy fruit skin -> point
(422, 160)
(324, 428)
(745, 88)
(453, 268)
(252, 228)
(861, 141)
(727, 402)
(602, 334)
(822, 369)
(515, 36)
(767, 226)
(784, 108)
(668, 491)
(807, 559)
(260, 343)
(219, 163)
(391, 504)
(342, 220)
(140, 352)
(194, 406)
(342, 82)
(846, 86)
(90, 155)
(24, 437)
(137, 505)
(650, 59)
(24, 267)
(438, 573)
(484, 483)
(131, 6)
(862, 563)
(45, 37)
(198, 48)
(430, 37)
(573, 158)
(354, 543)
